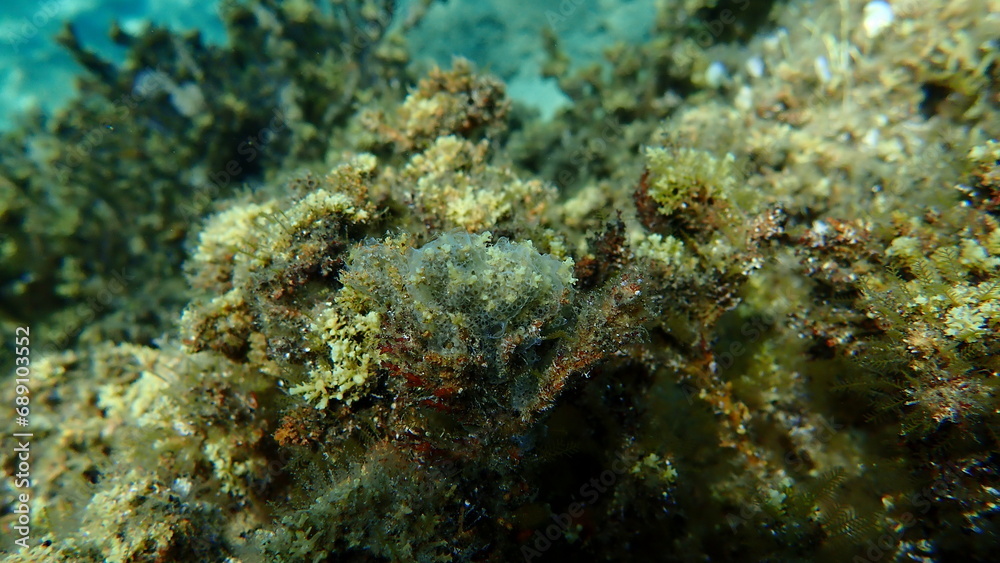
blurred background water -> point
(503, 36)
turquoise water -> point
(501, 36)
(35, 72)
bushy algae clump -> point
(456, 297)
(937, 314)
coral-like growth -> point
(252, 259)
(139, 518)
(697, 198)
(453, 102)
(451, 186)
(938, 316)
(701, 233)
(984, 190)
(354, 356)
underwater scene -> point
(500, 281)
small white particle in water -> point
(744, 98)
(182, 428)
(871, 138)
(188, 99)
(772, 43)
(823, 69)
(878, 16)
(716, 74)
(755, 66)
(182, 486)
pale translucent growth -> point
(775, 498)
(421, 111)
(128, 518)
(755, 66)
(182, 486)
(452, 185)
(353, 358)
(232, 300)
(478, 208)
(233, 230)
(152, 401)
(557, 248)
(821, 65)
(148, 401)
(188, 99)
(252, 232)
(993, 242)
(341, 195)
(145, 400)
(907, 248)
(587, 201)
(227, 312)
(975, 257)
(744, 98)
(230, 472)
(871, 138)
(676, 176)
(50, 369)
(321, 203)
(986, 153)
(928, 304)
(459, 290)
(965, 323)
(991, 310)
(365, 163)
(656, 467)
(697, 183)
(441, 156)
(947, 289)
(716, 74)
(460, 280)
(667, 250)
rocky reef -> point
(293, 300)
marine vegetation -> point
(739, 300)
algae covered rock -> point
(425, 324)
(938, 314)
